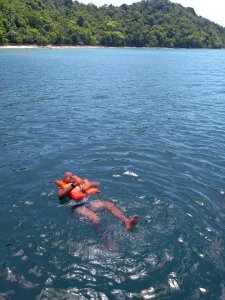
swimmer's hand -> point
(90, 185)
(78, 181)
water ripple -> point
(152, 132)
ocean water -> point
(149, 125)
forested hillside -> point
(151, 23)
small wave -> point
(129, 173)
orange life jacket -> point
(76, 193)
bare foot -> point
(111, 244)
(130, 223)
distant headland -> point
(67, 23)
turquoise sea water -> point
(101, 113)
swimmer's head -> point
(68, 177)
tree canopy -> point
(149, 23)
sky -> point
(214, 10)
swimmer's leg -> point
(108, 241)
(87, 213)
(98, 205)
(95, 220)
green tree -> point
(157, 23)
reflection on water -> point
(150, 127)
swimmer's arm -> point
(65, 192)
(90, 185)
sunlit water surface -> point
(103, 113)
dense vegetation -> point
(150, 23)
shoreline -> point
(92, 47)
(46, 47)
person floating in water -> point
(89, 209)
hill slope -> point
(151, 23)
